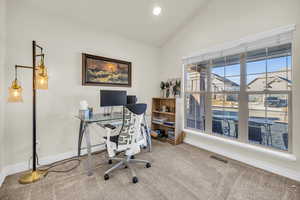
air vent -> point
(219, 159)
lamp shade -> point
(42, 77)
(41, 82)
(15, 93)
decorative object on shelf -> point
(164, 108)
(101, 71)
(167, 89)
(176, 88)
(162, 89)
(91, 112)
(84, 110)
(39, 81)
(170, 86)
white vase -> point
(162, 93)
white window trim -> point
(276, 154)
(235, 44)
(240, 44)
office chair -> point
(127, 140)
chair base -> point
(126, 162)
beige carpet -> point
(178, 172)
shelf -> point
(165, 113)
(157, 108)
(163, 125)
(163, 98)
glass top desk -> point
(100, 118)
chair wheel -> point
(132, 157)
(135, 179)
(148, 165)
(109, 161)
(106, 176)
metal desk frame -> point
(84, 132)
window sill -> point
(274, 153)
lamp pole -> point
(33, 106)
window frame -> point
(243, 107)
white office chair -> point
(128, 140)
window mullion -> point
(243, 102)
(184, 95)
(208, 99)
(266, 87)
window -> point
(268, 87)
(195, 95)
(244, 96)
(225, 87)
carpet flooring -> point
(180, 172)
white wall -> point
(222, 21)
(2, 87)
(64, 41)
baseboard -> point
(295, 175)
(2, 177)
(20, 167)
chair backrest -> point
(132, 119)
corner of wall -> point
(2, 77)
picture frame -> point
(103, 71)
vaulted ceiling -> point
(132, 19)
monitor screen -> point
(113, 98)
(131, 99)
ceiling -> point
(132, 19)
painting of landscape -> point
(105, 71)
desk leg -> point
(148, 135)
(81, 132)
(89, 151)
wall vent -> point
(219, 159)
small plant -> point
(162, 89)
(176, 88)
(162, 85)
(168, 84)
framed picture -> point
(101, 71)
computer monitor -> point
(131, 99)
(113, 98)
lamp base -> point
(32, 176)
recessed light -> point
(156, 10)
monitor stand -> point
(108, 111)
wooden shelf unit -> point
(166, 113)
(171, 115)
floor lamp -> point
(39, 81)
